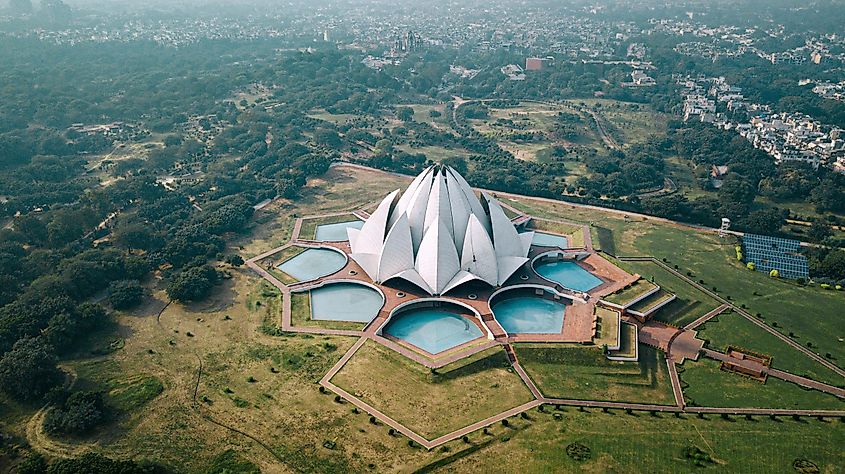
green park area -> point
(433, 403)
(584, 373)
(640, 442)
(631, 292)
(628, 345)
(732, 329)
(707, 385)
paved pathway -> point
(698, 322)
(676, 383)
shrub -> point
(805, 466)
(578, 452)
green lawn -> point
(641, 443)
(706, 385)
(583, 372)
(731, 329)
(630, 292)
(607, 331)
(435, 152)
(627, 341)
(459, 394)
(656, 299)
(124, 391)
(811, 313)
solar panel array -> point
(775, 253)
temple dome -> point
(438, 235)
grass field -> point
(608, 327)
(433, 404)
(732, 329)
(627, 341)
(707, 385)
(632, 123)
(623, 443)
(631, 292)
(435, 152)
(321, 114)
(124, 392)
(579, 372)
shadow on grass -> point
(493, 361)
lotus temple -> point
(438, 272)
(442, 275)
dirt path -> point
(42, 442)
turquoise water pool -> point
(313, 263)
(345, 302)
(432, 330)
(336, 232)
(550, 240)
(569, 274)
(530, 315)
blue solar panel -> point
(775, 253)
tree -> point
(76, 413)
(764, 221)
(66, 328)
(405, 114)
(192, 284)
(34, 463)
(93, 463)
(234, 260)
(29, 371)
(819, 230)
(124, 294)
(172, 140)
(384, 147)
(833, 265)
(328, 137)
(287, 188)
(136, 235)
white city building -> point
(438, 235)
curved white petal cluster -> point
(439, 235)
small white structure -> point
(439, 235)
(726, 225)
